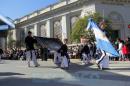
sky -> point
(19, 8)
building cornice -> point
(45, 10)
(67, 9)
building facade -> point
(58, 19)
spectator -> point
(1, 52)
(124, 52)
(120, 45)
(44, 53)
(128, 45)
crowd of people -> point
(12, 54)
(123, 47)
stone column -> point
(25, 31)
(65, 27)
(38, 30)
(14, 34)
(49, 28)
(35, 29)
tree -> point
(79, 28)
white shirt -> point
(120, 46)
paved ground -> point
(16, 73)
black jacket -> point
(30, 41)
(85, 50)
(64, 48)
(1, 51)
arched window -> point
(73, 20)
(117, 20)
(57, 30)
(43, 30)
(22, 34)
(31, 28)
(117, 25)
(22, 37)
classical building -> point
(58, 19)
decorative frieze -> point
(116, 2)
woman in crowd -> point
(124, 52)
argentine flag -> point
(102, 41)
(6, 21)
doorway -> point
(115, 34)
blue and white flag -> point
(102, 41)
(6, 21)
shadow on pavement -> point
(80, 72)
(15, 81)
(85, 72)
(52, 67)
(9, 74)
(120, 69)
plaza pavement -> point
(16, 73)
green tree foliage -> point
(79, 28)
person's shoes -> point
(42, 60)
(98, 66)
(105, 68)
(101, 67)
(97, 62)
(29, 66)
(66, 68)
(82, 63)
(37, 65)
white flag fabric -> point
(6, 21)
(102, 41)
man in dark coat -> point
(64, 50)
(31, 54)
(44, 53)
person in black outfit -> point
(30, 53)
(85, 49)
(1, 52)
(85, 54)
(44, 53)
(64, 50)
(30, 41)
(128, 45)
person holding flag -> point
(102, 43)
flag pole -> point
(103, 14)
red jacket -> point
(125, 49)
